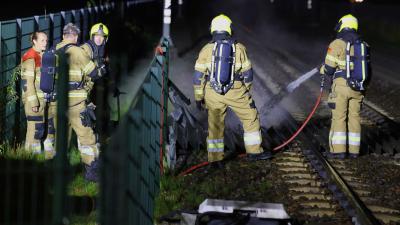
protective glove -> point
(322, 75)
(102, 70)
(199, 105)
(88, 116)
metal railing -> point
(34, 191)
(37, 191)
(132, 166)
(15, 35)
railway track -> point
(382, 134)
(330, 188)
(316, 193)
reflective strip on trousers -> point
(34, 147)
(252, 138)
(28, 74)
(49, 144)
(87, 150)
(354, 139)
(338, 138)
(77, 95)
(215, 145)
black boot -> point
(92, 171)
(336, 155)
(260, 156)
(353, 155)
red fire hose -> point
(277, 148)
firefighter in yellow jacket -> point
(80, 66)
(33, 99)
(346, 94)
(95, 49)
(223, 77)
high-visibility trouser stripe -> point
(89, 67)
(338, 138)
(252, 138)
(49, 144)
(34, 147)
(77, 95)
(28, 73)
(87, 150)
(215, 145)
(354, 139)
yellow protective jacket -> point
(80, 67)
(30, 76)
(94, 57)
(203, 68)
(335, 60)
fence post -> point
(62, 13)
(61, 159)
(165, 72)
(2, 119)
(82, 19)
(51, 29)
(17, 115)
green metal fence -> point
(32, 190)
(131, 172)
(15, 42)
(35, 191)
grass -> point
(19, 153)
(81, 187)
(78, 188)
(84, 220)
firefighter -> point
(33, 98)
(222, 78)
(80, 67)
(95, 49)
(346, 61)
